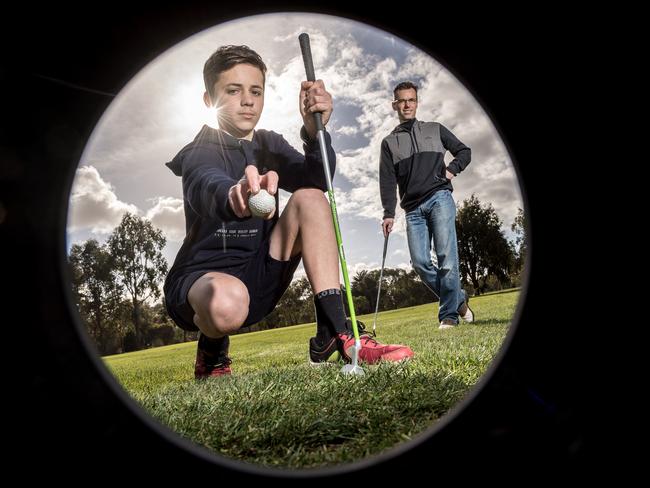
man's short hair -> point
(225, 58)
(404, 85)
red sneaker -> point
(203, 369)
(212, 365)
(372, 351)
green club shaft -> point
(344, 266)
(320, 135)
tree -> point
(482, 247)
(97, 293)
(295, 307)
(519, 226)
(405, 289)
(136, 247)
(160, 327)
(361, 305)
(364, 285)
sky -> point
(161, 110)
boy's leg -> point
(305, 227)
(220, 303)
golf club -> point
(381, 274)
(354, 368)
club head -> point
(351, 369)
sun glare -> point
(189, 109)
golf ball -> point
(261, 204)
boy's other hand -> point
(314, 98)
(251, 183)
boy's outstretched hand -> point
(251, 183)
(314, 98)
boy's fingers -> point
(319, 107)
(252, 178)
(270, 182)
(317, 85)
(234, 201)
(240, 204)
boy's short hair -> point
(225, 58)
(404, 85)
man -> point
(412, 158)
(233, 268)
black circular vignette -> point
(532, 413)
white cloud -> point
(347, 130)
(94, 204)
(353, 269)
(167, 214)
(403, 265)
(96, 209)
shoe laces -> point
(361, 327)
(364, 339)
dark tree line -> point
(117, 285)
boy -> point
(232, 268)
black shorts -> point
(265, 278)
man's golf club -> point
(353, 368)
(381, 274)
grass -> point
(277, 411)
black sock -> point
(214, 348)
(330, 314)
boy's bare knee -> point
(229, 308)
(224, 309)
(308, 197)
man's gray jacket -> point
(413, 159)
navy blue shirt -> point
(209, 166)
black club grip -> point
(305, 47)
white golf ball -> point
(262, 204)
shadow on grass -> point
(485, 322)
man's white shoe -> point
(447, 324)
(466, 313)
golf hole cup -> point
(261, 204)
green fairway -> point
(277, 411)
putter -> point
(381, 274)
(353, 368)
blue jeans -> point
(435, 219)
